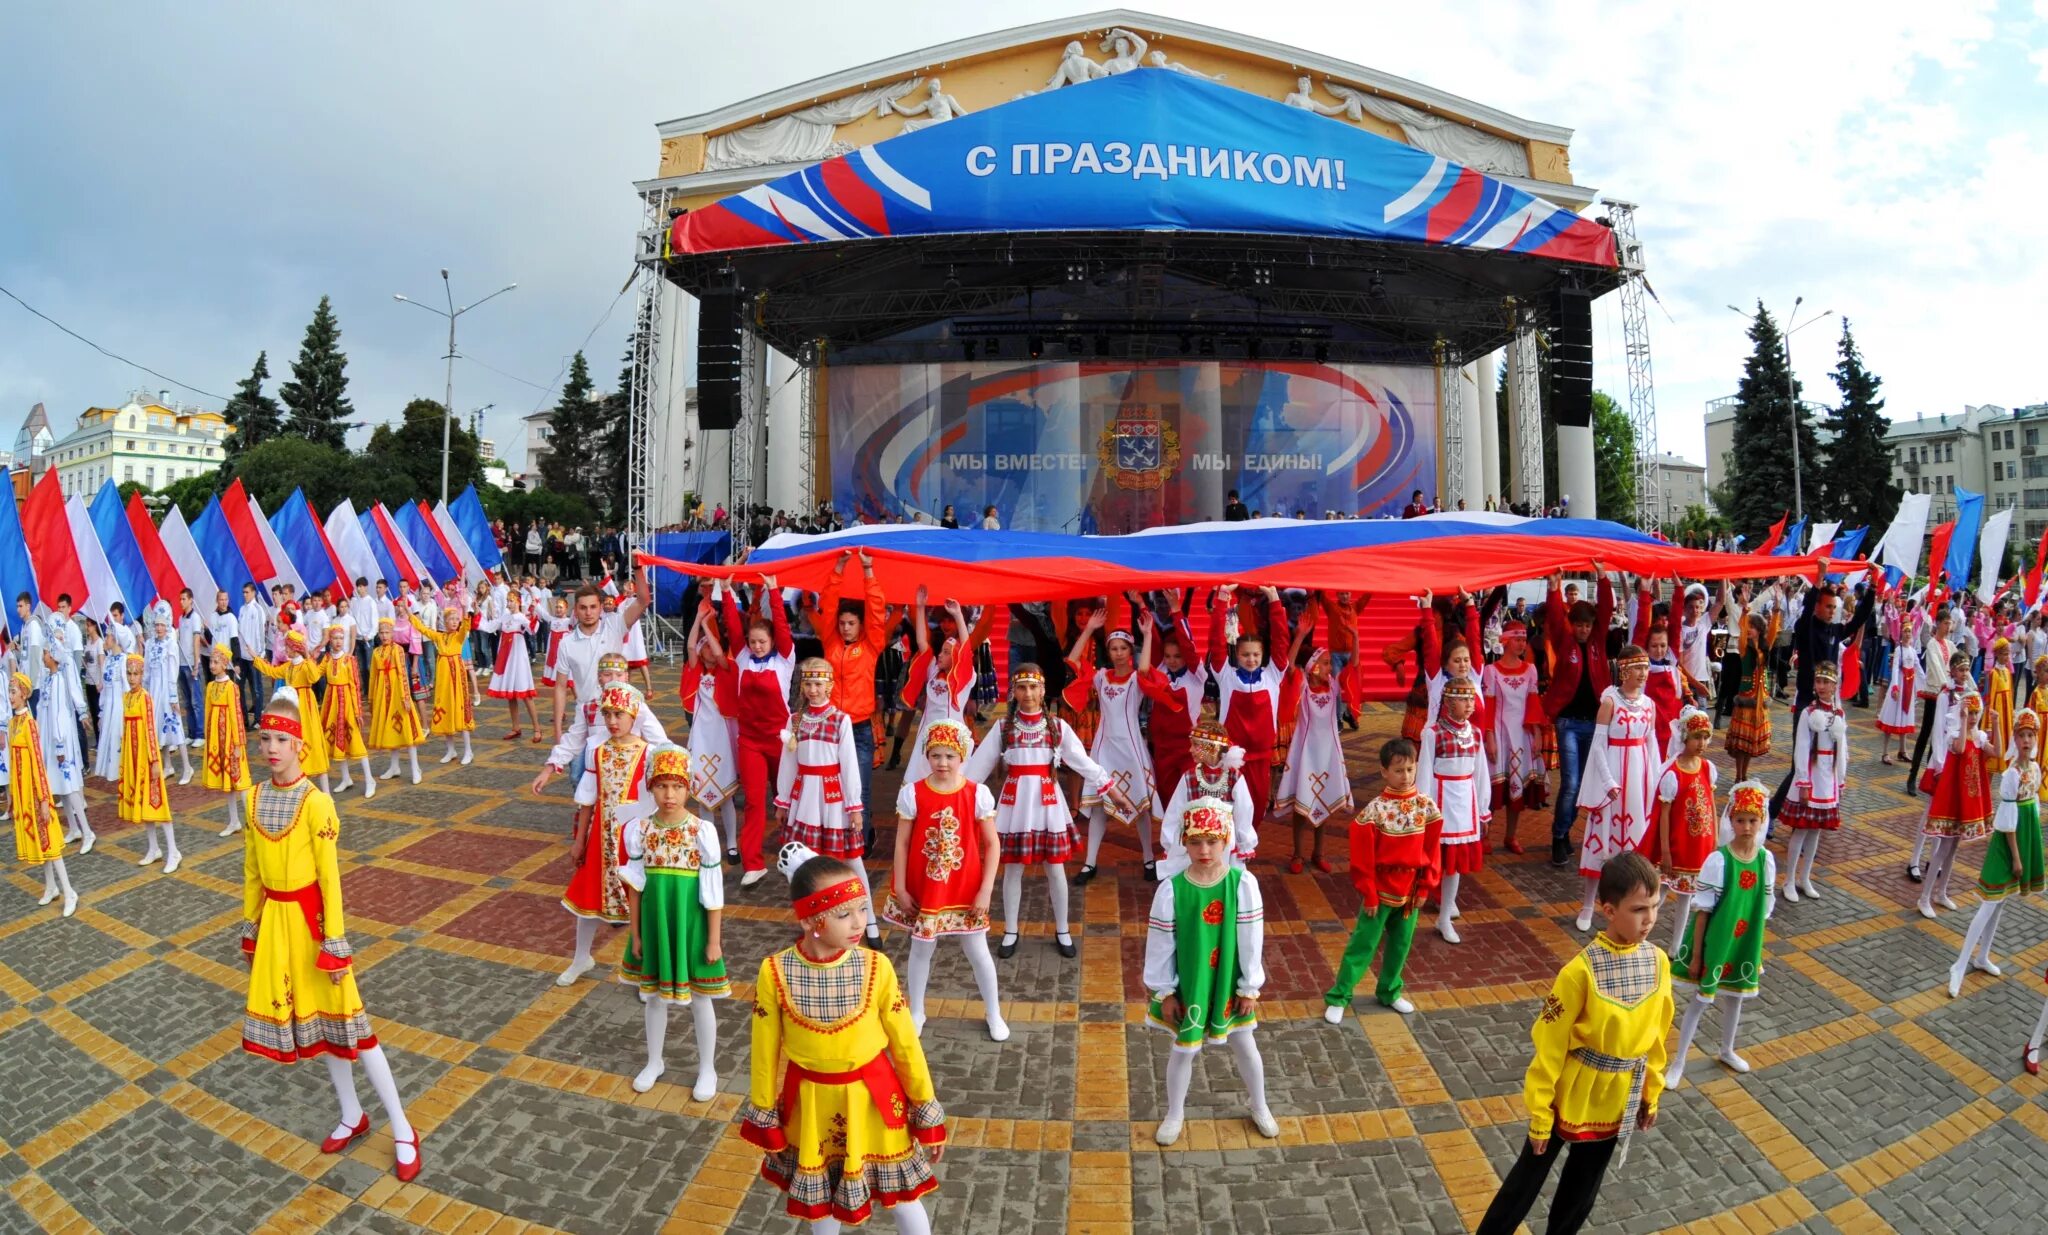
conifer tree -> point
(317, 395)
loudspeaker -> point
(1571, 357)
(718, 360)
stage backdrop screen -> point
(1118, 446)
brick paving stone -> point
(476, 852)
(1837, 906)
(1841, 1115)
(1490, 955)
(1309, 1190)
(1312, 1068)
(55, 952)
(573, 1162)
(54, 1081)
(1032, 1076)
(1992, 1182)
(525, 920)
(2022, 927)
(93, 873)
(431, 807)
(167, 906)
(1890, 965)
(457, 996)
(159, 1011)
(13, 1221)
(1990, 1023)
(190, 1180)
(225, 866)
(362, 1220)
(1478, 1052)
(550, 816)
(1535, 878)
(393, 896)
(361, 833)
(299, 1098)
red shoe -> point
(407, 1172)
(1294, 867)
(1512, 845)
(514, 735)
(1323, 865)
(335, 1144)
(2027, 1061)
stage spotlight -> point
(967, 346)
(1377, 285)
(1073, 345)
(1294, 349)
(1036, 346)
(1077, 272)
(992, 346)
(952, 278)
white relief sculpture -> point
(937, 108)
(1158, 60)
(1304, 97)
(1075, 68)
(802, 136)
(1126, 51)
(1439, 135)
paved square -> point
(1890, 965)
(1992, 1183)
(159, 1011)
(1841, 1115)
(191, 1179)
(55, 1079)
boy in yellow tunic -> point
(394, 722)
(454, 690)
(841, 1097)
(226, 757)
(300, 673)
(303, 1001)
(141, 797)
(1600, 1055)
(341, 709)
(38, 837)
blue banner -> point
(1962, 547)
(387, 569)
(1794, 535)
(298, 530)
(468, 512)
(117, 540)
(17, 572)
(216, 541)
(670, 587)
(406, 518)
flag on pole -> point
(224, 560)
(419, 535)
(17, 570)
(1823, 533)
(110, 524)
(1961, 558)
(1776, 534)
(283, 571)
(458, 548)
(1899, 551)
(236, 512)
(1938, 554)
(166, 572)
(2033, 593)
(304, 543)
(345, 536)
(1790, 540)
(48, 532)
(1991, 553)
(183, 549)
(102, 589)
(404, 556)
(390, 566)
(468, 511)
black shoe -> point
(1066, 949)
(1151, 872)
(1085, 874)
(1915, 874)
(1007, 948)
(1560, 852)
(893, 764)
(732, 857)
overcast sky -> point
(182, 183)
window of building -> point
(2037, 499)
(127, 473)
(1997, 471)
(2031, 437)
(149, 477)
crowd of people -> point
(1113, 717)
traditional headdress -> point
(1209, 733)
(1514, 628)
(1827, 671)
(619, 697)
(612, 662)
(2026, 718)
(1695, 721)
(1207, 819)
(1461, 688)
(21, 680)
(1124, 635)
(1636, 657)
(2001, 644)
(296, 640)
(670, 761)
(1958, 660)
(791, 860)
(947, 735)
(1749, 798)
(815, 670)
(1028, 675)
(385, 623)
(132, 658)
(277, 722)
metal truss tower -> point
(641, 400)
(1525, 399)
(1635, 333)
(1451, 415)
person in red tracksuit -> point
(1666, 687)
(1248, 690)
(765, 668)
(1175, 688)
(1576, 637)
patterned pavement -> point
(126, 1105)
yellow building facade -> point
(143, 440)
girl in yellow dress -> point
(141, 796)
(1998, 706)
(38, 837)
(454, 690)
(841, 1097)
(341, 709)
(226, 757)
(394, 722)
(303, 1001)
(299, 672)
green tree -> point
(191, 494)
(547, 505)
(1698, 527)
(613, 443)
(1760, 477)
(1614, 460)
(1856, 467)
(253, 417)
(573, 430)
(273, 469)
(317, 395)
(412, 448)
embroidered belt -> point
(877, 1074)
(1625, 741)
(1636, 1067)
(827, 772)
(1048, 789)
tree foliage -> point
(192, 493)
(524, 506)
(1698, 527)
(317, 395)
(574, 428)
(1614, 460)
(270, 471)
(1760, 474)
(253, 417)
(412, 449)
(1856, 467)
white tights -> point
(730, 818)
(1731, 1016)
(449, 755)
(184, 763)
(978, 957)
(1941, 863)
(170, 844)
(378, 1069)
(1977, 940)
(654, 1013)
(348, 781)
(1055, 890)
(1098, 824)
(1684, 903)
(80, 829)
(56, 879)
(234, 815)
(412, 756)
(1800, 853)
(586, 934)
(1180, 1072)
(1585, 920)
(910, 1216)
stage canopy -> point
(1439, 553)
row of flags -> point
(105, 550)
(1966, 547)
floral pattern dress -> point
(946, 861)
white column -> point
(783, 487)
(1522, 421)
(1206, 485)
(1575, 470)
(1485, 381)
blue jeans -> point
(1574, 743)
(192, 693)
(864, 751)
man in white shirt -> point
(595, 633)
(223, 630)
(29, 653)
(253, 623)
(191, 682)
(363, 614)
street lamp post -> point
(1785, 342)
(448, 388)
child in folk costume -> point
(1034, 826)
(1958, 791)
(1941, 702)
(1687, 825)
(945, 869)
(1820, 768)
(1598, 1067)
(162, 668)
(1895, 717)
(841, 1098)
(675, 896)
(2013, 862)
(576, 753)
(1451, 771)
(394, 721)
(1175, 688)
(454, 713)
(141, 797)
(817, 792)
(512, 674)
(60, 704)
(113, 685)
(1998, 706)
(1119, 748)
(224, 764)
(2037, 698)
(939, 682)
(303, 1001)
(710, 690)
(1215, 770)
(1720, 958)
(341, 709)
(1618, 790)
(299, 673)
(1205, 964)
(1749, 726)
(559, 624)
(1453, 660)
(38, 838)
(1396, 846)
(614, 786)
(1248, 698)
(764, 669)
(1513, 695)
(1665, 684)
(1315, 785)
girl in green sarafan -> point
(1722, 954)
(2013, 864)
(1204, 964)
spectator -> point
(1416, 507)
(549, 572)
(1234, 510)
(989, 522)
(533, 543)
(947, 520)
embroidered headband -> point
(619, 697)
(815, 672)
(279, 723)
(1461, 688)
(614, 662)
(1515, 628)
(2026, 718)
(1748, 798)
(1209, 733)
(132, 658)
(385, 623)
(946, 735)
(830, 897)
(296, 639)
(669, 761)
(1827, 671)
(1637, 659)
(1124, 635)
(1206, 819)
(1027, 675)
(21, 680)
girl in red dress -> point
(1958, 786)
(765, 668)
(945, 870)
(1248, 692)
(1686, 833)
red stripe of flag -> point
(162, 571)
(234, 508)
(343, 585)
(47, 529)
(440, 538)
(401, 561)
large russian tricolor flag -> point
(389, 547)
(235, 513)
(419, 534)
(281, 562)
(183, 550)
(48, 531)
(102, 589)
(345, 535)
(217, 544)
(468, 512)
(17, 571)
(451, 537)
(305, 543)
(165, 571)
(124, 555)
